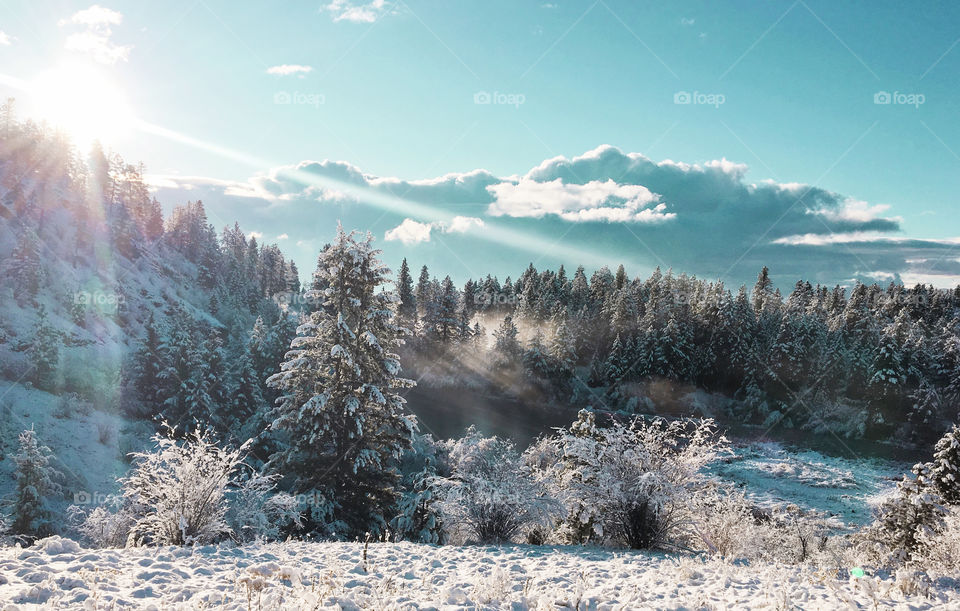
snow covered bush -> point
(107, 525)
(725, 523)
(178, 492)
(905, 522)
(491, 494)
(916, 516)
(629, 484)
(939, 548)
(257, 512)
(418, 516)
(36, 483)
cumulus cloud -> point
(287, 69)
(5, 39)
(94, 40)
(356, 12)
(413, 232)
(592, 201)
(409, 232)
(702, 218)
(95, 16)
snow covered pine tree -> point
(340, 412)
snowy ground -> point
(58, 574)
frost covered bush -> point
(257, 512)
(724, 523)
(629, 484)
(939, 548)
(188, 492)
(491, 494)
(178, 491)
(108, 525)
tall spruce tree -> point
(407, 309)
(344, 421)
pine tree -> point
(904, 519)
(44, 352)
(445, 320)
(886, 385)
(247, 403)
(536, 361)
(925, 410)
(148, 366)
(26, 269)
(407, 310)
(615, 366)
(340, 410)
(424, 295)
(506, 345)
(945, 469)
(563, 348)
(35, 484)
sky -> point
(814, 137)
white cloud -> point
(98, 47)
(687, 21)
(409, 232)
(286, 69)
(856, 211)
(95, 16)
(594, 201)
(462, 224)
(94, 40)
(356, 12)
(282, 236)
(255, 234)
(413, 232)
(5, 39)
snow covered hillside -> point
(297, 575)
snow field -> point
(57, 573)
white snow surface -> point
(305, 575)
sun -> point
(83, 102)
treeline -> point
(869, 359)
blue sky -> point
(225, 94)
